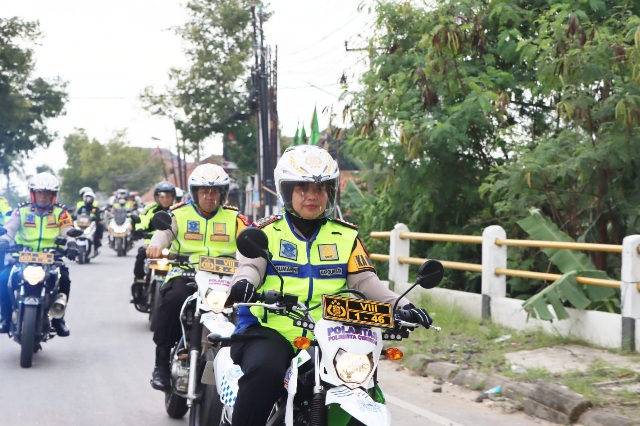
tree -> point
(27, 101)
(211, 95)
(106, 167)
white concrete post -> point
(629, 295)
(398, 273)
(493, 256)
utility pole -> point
(264, 118)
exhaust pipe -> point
(58, 307)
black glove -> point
(243, 292)
(72, 250)
(137, 233)
(4, 245)
(410, 313)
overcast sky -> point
(109, 51)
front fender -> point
(360, 405)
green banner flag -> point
(303, 136)
(315, 131)
(296, 138)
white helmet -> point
(44, 181)
(208, 175)
(310, 164)
(85, 189)
(179, 194)
(88, 194)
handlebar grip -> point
(404, 315)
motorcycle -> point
(86, 249)
(202, 314)
(33, 290)
(333, 379)
(119, 229)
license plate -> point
(36, 257)
(218, 265)
(358, 311)
(82, 242)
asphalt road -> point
(99, 375)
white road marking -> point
(420, 411)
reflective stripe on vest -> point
(310, 268)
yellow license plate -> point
(218, 265)
(36, 257)
(160, 266)
(358, 311)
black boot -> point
(136, 290)
(161, 376)
(60, 327)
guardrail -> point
(494, 271)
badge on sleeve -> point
(288, 250)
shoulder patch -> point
(345, 223)
(261, 223)
(244, 220)
(177, 206)
(227, 207)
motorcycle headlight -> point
(215, 299)
(33, 274)
(353, 368)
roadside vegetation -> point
(482, 347)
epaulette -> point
(244, 220)
(176, 206)
(57, 204)
(228, 207)
(148, 207)
(24, 203)
(261, 223)
(345, 223)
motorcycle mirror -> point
(253, 243)
(161, 221)
(135, 219)
(74, 233)
(2, 231)
(430, 274)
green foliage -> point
(489, 108)
(211, 95)
(571, 263)
(105, 167)
(27, 101)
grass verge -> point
(482, 347)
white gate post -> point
(398, 273)
(629, 295)
(493, 256)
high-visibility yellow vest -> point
(38, 231)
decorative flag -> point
(315, 132)
(303, 136)
(296, 138)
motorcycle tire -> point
(120, 246)
(175, 406)
(155, 304)
(82, 255)
(28, 335)
(207, 408)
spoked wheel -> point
(207, 408)
(28, 336)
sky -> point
(110, 51)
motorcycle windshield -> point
(120, 216)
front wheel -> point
(207, 408)
(82, 255)
(176, 406)
(120, 246)
(155, 302)
(28, 335)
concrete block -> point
(601, 418)
(471, 379)
(556, 398)
(442, 370)
(419, 363)
(536, 409)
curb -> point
(539, 399)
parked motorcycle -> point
(332, 380)
(202, 314)
(119, 229)
(86, 247)
(33, 290)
